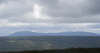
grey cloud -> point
(1, 1)
(96, 26)
(59, 12)
(70, 11)
(95, 7)
(14, 8)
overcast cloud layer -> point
(49, 15)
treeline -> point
(72, 50)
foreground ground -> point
(73, 50)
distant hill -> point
(29, 33)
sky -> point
(49, 16)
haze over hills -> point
(29, 33)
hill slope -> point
(73, 50)
(47, 42)
(29, 33)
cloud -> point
(49, 15)
(14, 8)
(51, 11)
(69, 11)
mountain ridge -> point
(29, 33)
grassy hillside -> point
(47, 42)
(73, 50)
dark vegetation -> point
(73, 50)
(26, 43)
